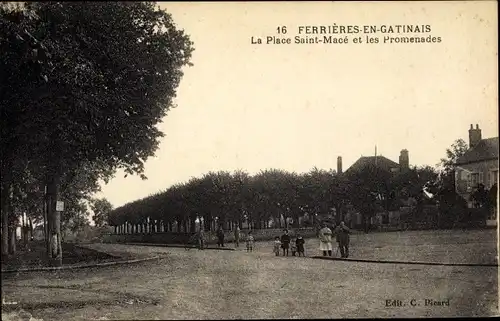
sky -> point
(295, 107)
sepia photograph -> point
(249, 160)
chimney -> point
(339, 165)
(474, 136)
(404, 159)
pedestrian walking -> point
(237, 236)
(220, 237)
(285, 242)
(300, 244)
(343, 239)
(277, 246)
(325, 240)
(201, 239)
(250, 241)
(293, 246)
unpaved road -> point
(234, 284)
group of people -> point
(326, 239)
(250, 240)
(285, 242)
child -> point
(293, 247)
(299, 243)
(250, 241)
(277, 246)
(285, 242)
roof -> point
(486, 149)
(381, 161)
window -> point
(493, 177)
(471, 180)
(475, 179)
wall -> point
(183, 238)
(430, 218)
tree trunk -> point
(25, 230)
(54, 220)
(12, 239)
(45, 221)
(31, 227)
(5, 197)
(5, 217)
(193, 225)
(53, 216)
(22, 228)
(208, 223)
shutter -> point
(480, 178)
(469, 181)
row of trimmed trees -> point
(82, 87)
(271, 196)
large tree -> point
(451, 205)
(101, 208)
(447, 164)
(85, 83)
(370, 191)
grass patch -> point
(35, 255)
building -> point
(479, 165)
(352, 216)
(379, 161)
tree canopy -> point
(274, 197)
(83, 87)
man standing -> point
(237, 236)
(201, 238)
(220, 237)
(343, 239)
(325, 240)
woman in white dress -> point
(325, 240)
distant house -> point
(352, 216)
(479, 165)
(379, 161)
